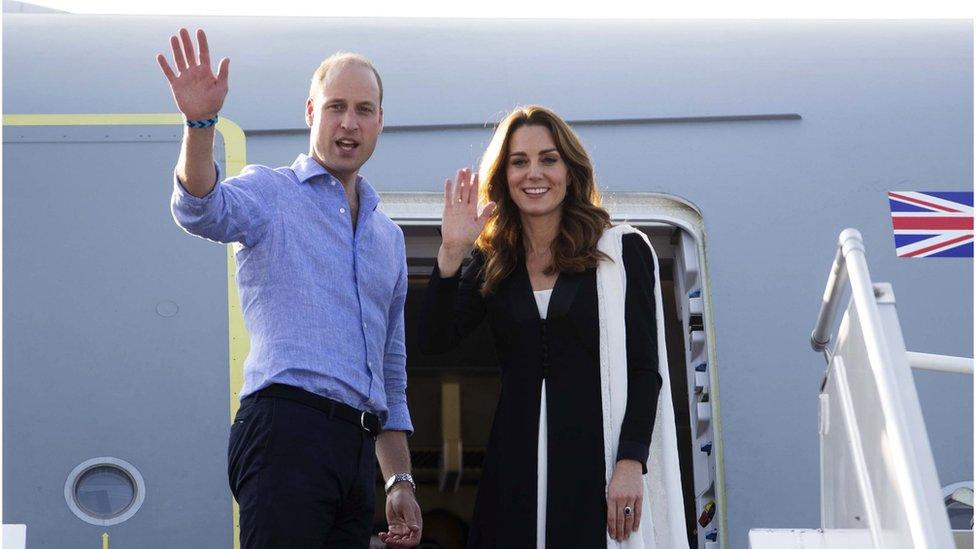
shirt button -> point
(333, 183)
(364, 325)
(342, 210)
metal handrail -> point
(850, 240)
(940, 363)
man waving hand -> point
(322, 277)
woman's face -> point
(536, 172)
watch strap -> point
(400, 477)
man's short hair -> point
(338, 60)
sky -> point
(831, 9)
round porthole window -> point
(104, 491)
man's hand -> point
(403, 517)
(198, 93)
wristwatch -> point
(400, 477)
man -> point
(322, 279)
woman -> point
(533, 274)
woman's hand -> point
(461, 223)
(626, 490)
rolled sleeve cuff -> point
(629, 449)
(399, 419)
(182, 196)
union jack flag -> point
(932, 224)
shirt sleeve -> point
(643, 378)
(453, 307)
(236, 210)
(395, 359)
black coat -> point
(564, 350)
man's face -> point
(346, 119)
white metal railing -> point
(836, 280)
(877, 471)
(941, 363)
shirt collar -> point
(306, 167)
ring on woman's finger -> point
(628, 511)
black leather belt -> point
(367, 421)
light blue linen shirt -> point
(323, 304)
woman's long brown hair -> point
(583, 220)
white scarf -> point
(662, 515)
(663, 512)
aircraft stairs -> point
(878, 481)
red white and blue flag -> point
(932, 224)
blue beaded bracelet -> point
(202, 123)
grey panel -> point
(115, 344)
(585, 69)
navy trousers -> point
(302, 478)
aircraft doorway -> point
(453, 396)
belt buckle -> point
(362, 422)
